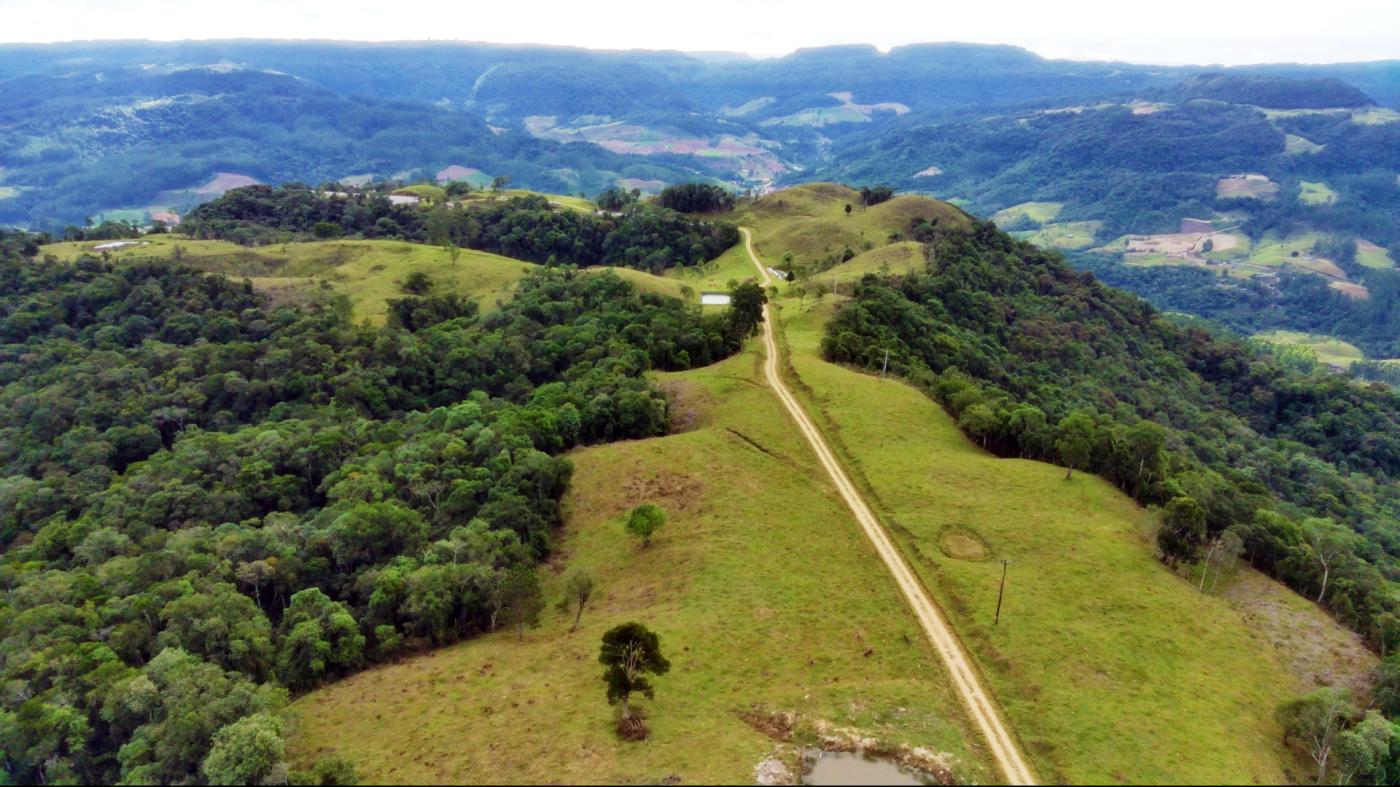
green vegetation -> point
(747, 615)
(809, 223)
(630, 652)
(1316, 193)
(1090, 616)
(1037, 212)
(1326, 349)
(273, 497)
(368, 272)
(1073, 235)
(947, 331)
(644, 521)
(696, 198)
(1295, 145)
(1372, 256)
(428, 192)
(527, 228)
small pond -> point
(834, 767)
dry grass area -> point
(1303, 637)
(1252, 186)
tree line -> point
(646, 237)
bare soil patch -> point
(963, 543)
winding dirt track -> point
(979, 703)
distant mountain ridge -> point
(1272, 92)
(106, 128)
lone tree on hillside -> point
(630, 652)
(1314, 722)
(746, 308)
(521, 599)
(645, 520)
(1183, 529)
(1074, 441)
(578, 588)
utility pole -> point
(886, 365)
(1002, 591)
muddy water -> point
(845, 768)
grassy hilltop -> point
(1109, 667)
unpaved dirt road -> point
(978, 701)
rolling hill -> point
(1093, 629)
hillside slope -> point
(759, 612)
(1076, 662)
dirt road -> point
(979, 704)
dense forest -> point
(641, 236)
(208, 501)
(1038, 360)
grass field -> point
(715, 275)
(763, 591)
(810, 222)
(427, 191)
(1245, 187)
(1275, 250)
(1097, 637)
(900, 257)
(1072, 235)
(1097, 632)
(369, 272)
(1042, 212)
(1330, 350)
(1295, 145)
(1373, 256)
(1315, 193)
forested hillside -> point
(641, 236)
(208, 500)
(1039, 361)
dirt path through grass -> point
(979, 703)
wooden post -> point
(1002, 591)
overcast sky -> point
(1174, 32)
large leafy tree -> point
(630, 653)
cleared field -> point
(1067, 235)
(1350, 289)
(1329, 350)
(1295, 145)
(1245, 187)
(1041, 212)
(1273, 250)
(426, 191)
(810, 222)
(1373, 256)
(1375, 116)
(895, 258)
(369, 272)
(715, 275)
(1096, 634)
(765, 595)
(1316, 193)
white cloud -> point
(1182, 31)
